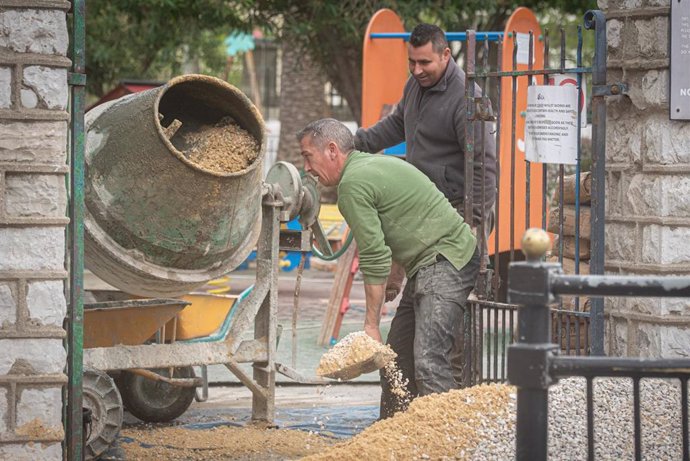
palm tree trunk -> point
(302, 100)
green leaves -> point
(154, 38)
(151, 39)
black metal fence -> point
(534, 364)
(494, 326)
(534, 194)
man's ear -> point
(446, 54)
(332, 150)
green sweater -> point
(397, 213)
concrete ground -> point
(337, 409)
(325, 409)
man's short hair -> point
(425, 33)
(326, 130)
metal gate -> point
(567, 202)
(534, 364)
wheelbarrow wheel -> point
(156, 401)
(100, 395)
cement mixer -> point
(160, 224)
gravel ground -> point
(477, 423)
(613, 422)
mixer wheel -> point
(156, 401)
(102, 398)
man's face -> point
(426, 65)
(320, 162)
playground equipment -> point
(158, 226)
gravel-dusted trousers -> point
(425, 328)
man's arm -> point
(387, 132)
(357, 207)
(374, 299)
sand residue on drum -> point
(222, 148)
(353, 349)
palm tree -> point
(302, 100)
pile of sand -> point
(223, 148)
(452, 425)
(220, 443)
(353, 350)
(437, 426)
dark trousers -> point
(426, 327)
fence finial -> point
(535, 243)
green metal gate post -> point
(596, 20)
(75, 328)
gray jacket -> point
(432, 122)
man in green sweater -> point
(397, 214)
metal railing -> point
(578, 324)
(534, 364)
(493, 330)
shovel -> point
(377, 361)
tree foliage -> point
(153, 38)
(148, 37)
(332, 32)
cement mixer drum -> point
(158, 224)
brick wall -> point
(33, 200)
(648, 182)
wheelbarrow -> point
(152, 395)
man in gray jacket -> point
(431, 119)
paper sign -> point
(522, 56)
(551, 124)
(571, 79)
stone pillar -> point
(648, 182)
(33, 208)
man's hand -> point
(392, 293)
(374, 332)
(394, 283)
